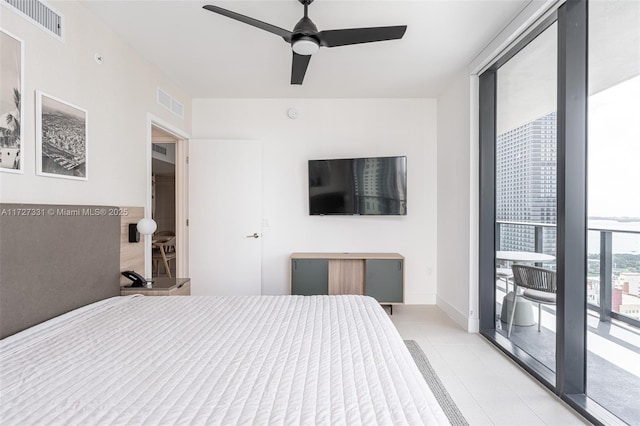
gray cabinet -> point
(309, 276)
(383, 280)
(379, 275)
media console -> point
(379, 275)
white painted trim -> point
(469, 324)
(524, 22)
(473, 325)
(474, 202)
(182, 201)
(166, 126)
(21, 112)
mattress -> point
(215, 360)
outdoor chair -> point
(539, 286)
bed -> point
(199, 360)
(215, 360)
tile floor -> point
(488, 387)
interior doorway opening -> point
(167, 202)
(163, 203)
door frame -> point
(182, 194)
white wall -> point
(458, 174)
(336, 128)
(118, 95)
(457, 290)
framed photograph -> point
(61, 138)
(11, 110)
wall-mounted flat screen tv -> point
(358, 186)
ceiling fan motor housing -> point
(305, 26)
(304, 40)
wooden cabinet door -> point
(346, 276)
(309, 277)
(384, 280)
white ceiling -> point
(211, 56)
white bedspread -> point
(215, 360)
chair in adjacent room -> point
(539, 286)
(164, 250)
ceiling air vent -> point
(41, 14)
(170, 103)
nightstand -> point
(161, 286)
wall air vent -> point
(40, 14)
(159, 149)
(170, 103)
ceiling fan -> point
(305, 39)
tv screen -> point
(358, 186)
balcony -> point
(613, 313)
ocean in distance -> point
(622, 242)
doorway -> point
(167, 201)
(163, 203)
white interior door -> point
(225, 217)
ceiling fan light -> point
(305, 46)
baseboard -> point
(472, 325)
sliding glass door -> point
(613, 277)
(526, 151)
(559, 192)
(519, 119)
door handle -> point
(254, 235)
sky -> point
(52, 105)
(614, 151)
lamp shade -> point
(147, 226)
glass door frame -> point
(488, 231)
(569, 380)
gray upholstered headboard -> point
(53, 259)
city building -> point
(526, 184)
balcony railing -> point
(604, 310)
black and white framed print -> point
(11, 112)
(61, 144)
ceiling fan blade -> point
(299, 67)
(285, 34)
(334, 38)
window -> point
(593, 295)
(613, 253)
